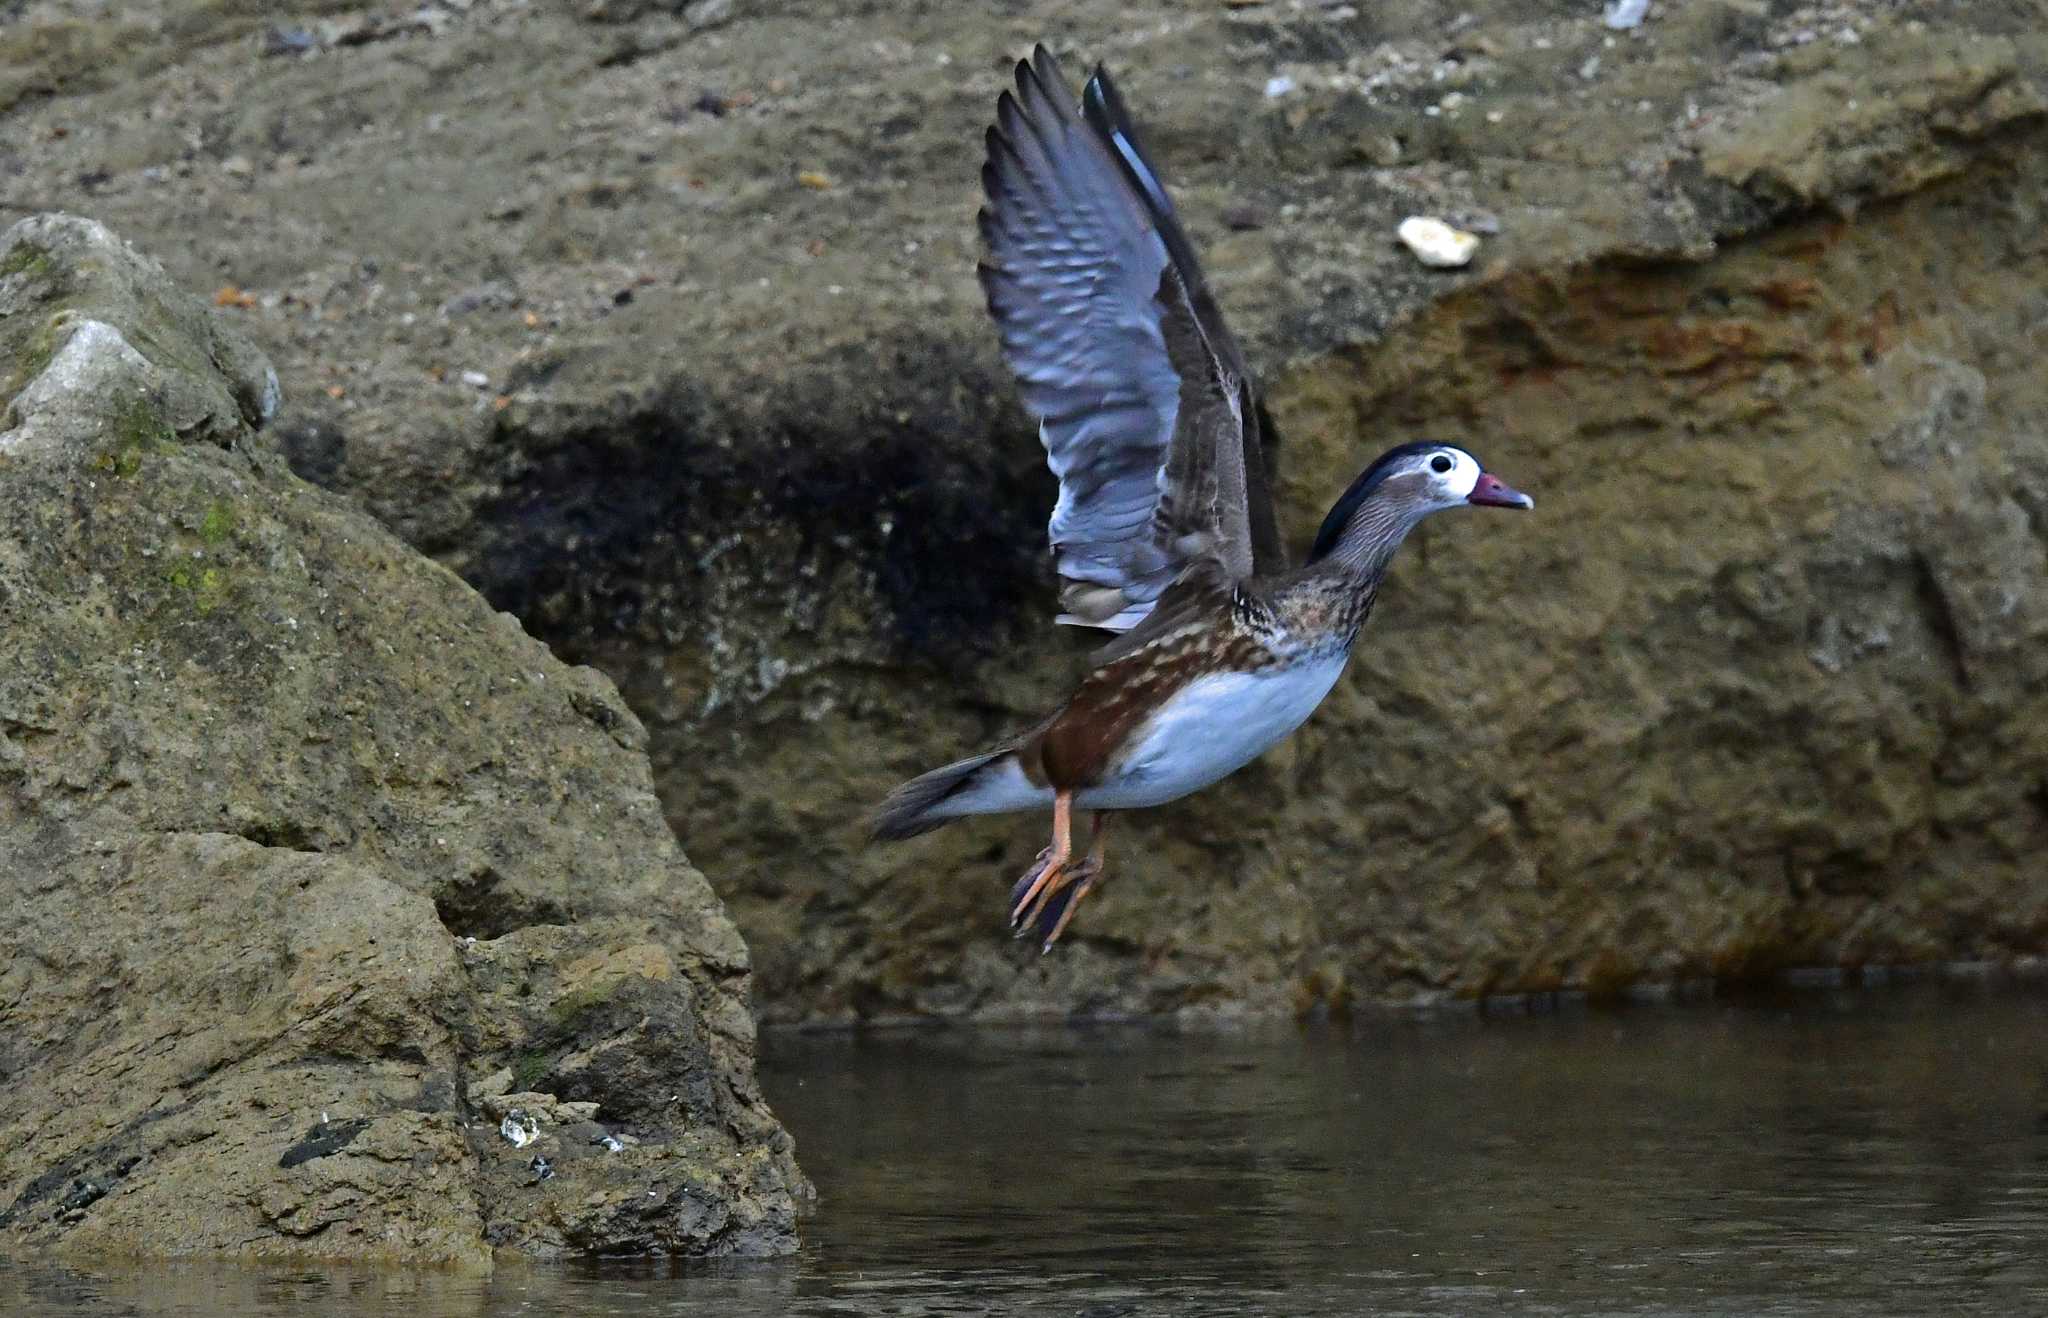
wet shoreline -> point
(1823, 1151)
(1789, 984)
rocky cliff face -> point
(658, 325)
(341, 917)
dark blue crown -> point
(1362, 488)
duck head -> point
(1406, 484)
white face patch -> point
(1453, 486)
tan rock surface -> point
(299, 837)
(666, 337)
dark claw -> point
(1023, 886)
(1080, 875)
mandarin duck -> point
(1164, 529)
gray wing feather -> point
(1118, 350)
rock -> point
(1243, 217)
(1758, 685)
(707, 13)
(539, 1106)
(494, 295)
(204, 383)
(297, 835)
(1436, 244)
(695, 14)
(492, 1085)
(289, 40)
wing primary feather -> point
(1103, 107)
(1103, 316)
(1105, 111)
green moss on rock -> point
(529, 1070)
(25, 259)
(34, 356)
(218, 524)
(138, 431)
(205, 586)
(574, 1005)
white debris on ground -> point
(520, 1128)
(523, 1115)
(1436, 244)
(1621, 15)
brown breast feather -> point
(1079, 746)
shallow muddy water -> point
(1826, 1153)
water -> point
(1837, 1153)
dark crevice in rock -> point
(606, 717)
(572, 543)
(323, 1140)
(315, 450)
(84, 1193)
(39, 1189)
(287, 834)
(478, 906)
(1941, 616)
(87, 1186)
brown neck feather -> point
(1375, 531)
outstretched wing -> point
(1147, 414)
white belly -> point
(1212, 727)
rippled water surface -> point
(1864, 1153)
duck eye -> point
(1441, 462)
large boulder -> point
(666, 337)
(342, 920)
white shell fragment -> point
(1437, 244)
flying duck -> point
(1164, 529)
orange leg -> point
(1046, 877)
(1082, 876)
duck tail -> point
(932, 800)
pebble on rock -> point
(1436, 244)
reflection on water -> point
(1847, 1154)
